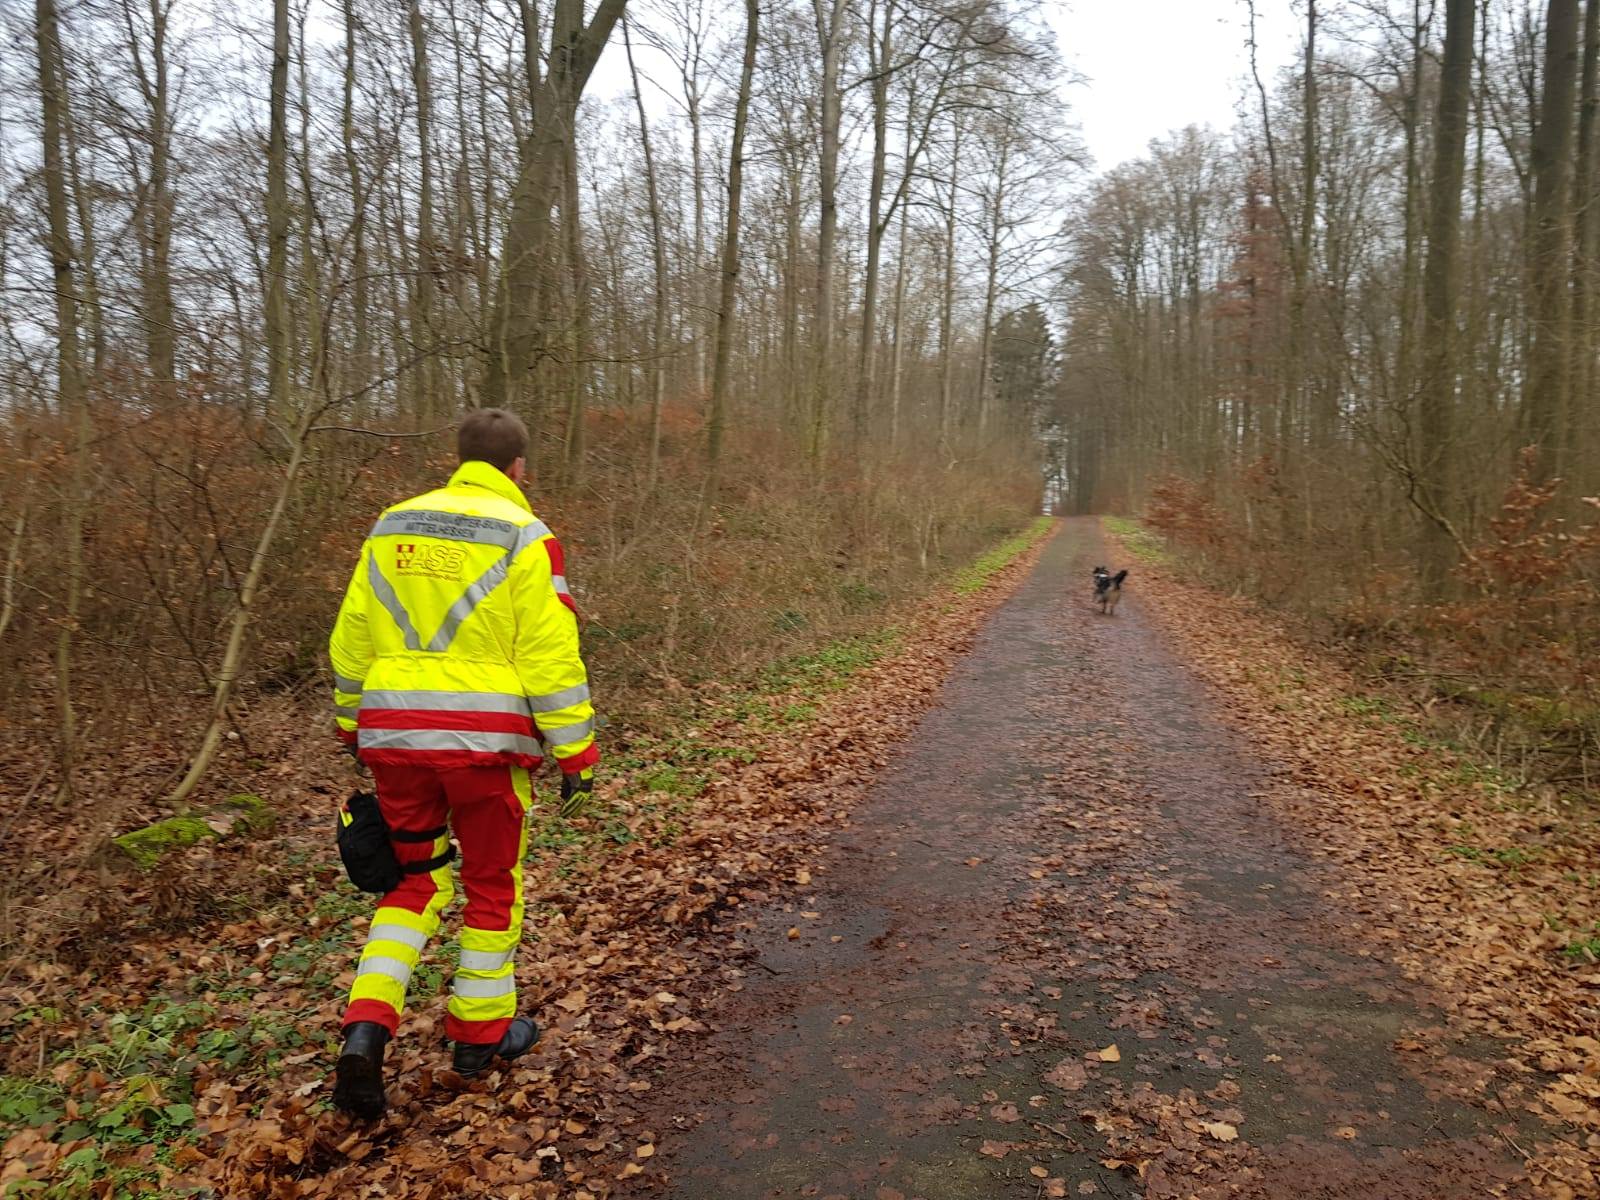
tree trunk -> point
(1434, 468)
(882, 50)
(277, 300)
(658, 248)
(515, 325)
(361, 347)
(1586, 260)
(70, 398)
(424, 337)
(578, 358)
(730, 253)
(991, 284)
(156, 204)
(830, 39)
(947, 298)
(1545, 400)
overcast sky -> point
(1155, 65)
(1149, 66)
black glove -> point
(576, 789)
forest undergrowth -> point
(207, 1075)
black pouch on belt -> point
(366, 845)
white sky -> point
(1151, 66)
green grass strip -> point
(971, 579)
(1141, 543)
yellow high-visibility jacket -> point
(457, 642)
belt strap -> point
(430, 864)
(417, 835)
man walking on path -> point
(456, 671)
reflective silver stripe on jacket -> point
(382, 964)
(567, 733)
(477, 591)
(559, 582)
(565, 698)
(502, 702)
(482, 741)
(345, 684)
(414, 938)
(454, 527)
(484, 960)
(384, 591)
(483, 989)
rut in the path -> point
(1066, 949)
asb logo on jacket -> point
(437, 562)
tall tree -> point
(658, 256)
(423, 335)
(70, 399)
(515, 324)
(279, 349)
(1546, 395)
(728, 293)
(829, 16)
(1435, 482)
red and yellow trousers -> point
(487, 809)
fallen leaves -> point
(1109, 1054)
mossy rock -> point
(148, 846)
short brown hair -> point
(492, 435)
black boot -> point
(519, 1037)
(358, 1089)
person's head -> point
(494, 436)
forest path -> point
(1072, 853)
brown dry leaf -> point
(794, 932)
(994, 1149)
(1220, 1130)
(802, 877)
(1038, 1172)
(574, 1001)
(645, 1150)
(1068, 1075)
(1347, 1132)
(1110, 1054)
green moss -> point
(148, 846)
(251, 809)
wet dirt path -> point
(1066, 948)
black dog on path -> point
(1108, 589)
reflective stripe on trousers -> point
(396, 939)
(484, 989)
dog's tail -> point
(1117, 579)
